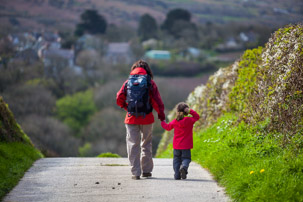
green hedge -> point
(17, 153)
(250, 132)
(251, 165)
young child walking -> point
(183, 138)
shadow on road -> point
(191, 180)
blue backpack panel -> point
(137, 95)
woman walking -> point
(139, 95)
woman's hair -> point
(180, 110)
(144, 65)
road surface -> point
(109, 179)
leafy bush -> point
(85, 150)
(108, 155)
(75, 110)
(250, 132)
(246, 81)
(30, 99)
(106, 132)
(279, 91)
(50, 136)
(105, 95)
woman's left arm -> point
(121, 97)
(157, 102)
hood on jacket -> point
(138, 70)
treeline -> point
(70, 114)
(70, 111)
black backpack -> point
(137, 95)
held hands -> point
(161, 116)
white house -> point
(119, 53)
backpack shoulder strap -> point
(125, 86)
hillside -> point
(64, 14)
(16, 149)
(250, 132)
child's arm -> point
(166, 126)
(195, 115)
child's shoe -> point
(177, 177)
(183, 172)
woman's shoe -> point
(146, 175)
(134, 177)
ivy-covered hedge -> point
(252, 119)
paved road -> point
(109, 179)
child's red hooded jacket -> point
(183, 133)
(155, 100)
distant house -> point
(22, 41)
(190, 53)
(248, 37)
(28, 55)
(35, 41)
(280, 11)
(88, 41)
(50, 39)
(158, 55)
(150, 44)
(49, 54)
(119, 53)
(229, 45)
(31, 46)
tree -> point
(147, 27)
(121, 33)
(105, 131)
(25, 99)
(94, 70)
(75, 110)
(186, 30)
(6, 51)
(174, 16)
(50, 136)
(91, 22)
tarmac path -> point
(109, 179)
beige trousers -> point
(139, 148)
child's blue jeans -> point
(182, 158)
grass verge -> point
(251, 165)
(15, 159)
(108, 155)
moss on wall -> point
(17, 151)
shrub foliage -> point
(250, 132)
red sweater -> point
(183, 133)
(155, 100)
